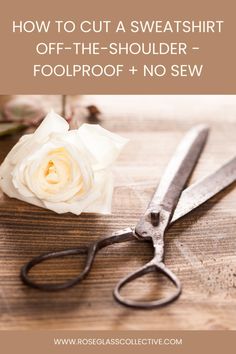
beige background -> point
(42, 341)
(217, 52)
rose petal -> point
(52, 123)
(76, 207)
(81, 159)
(103, 204)
(102, 144)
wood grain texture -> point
(200, 248)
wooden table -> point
(200, 248)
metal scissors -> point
(162, 211)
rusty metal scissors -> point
(162, 211)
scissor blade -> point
(179, 170)
(177, 173)
(201, 191)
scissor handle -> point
(52, 255)
(89, 251)
(147, 268)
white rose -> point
(62, 170)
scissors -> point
(161, 212)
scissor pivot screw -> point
(155, 217)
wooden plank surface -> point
(200, 248)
